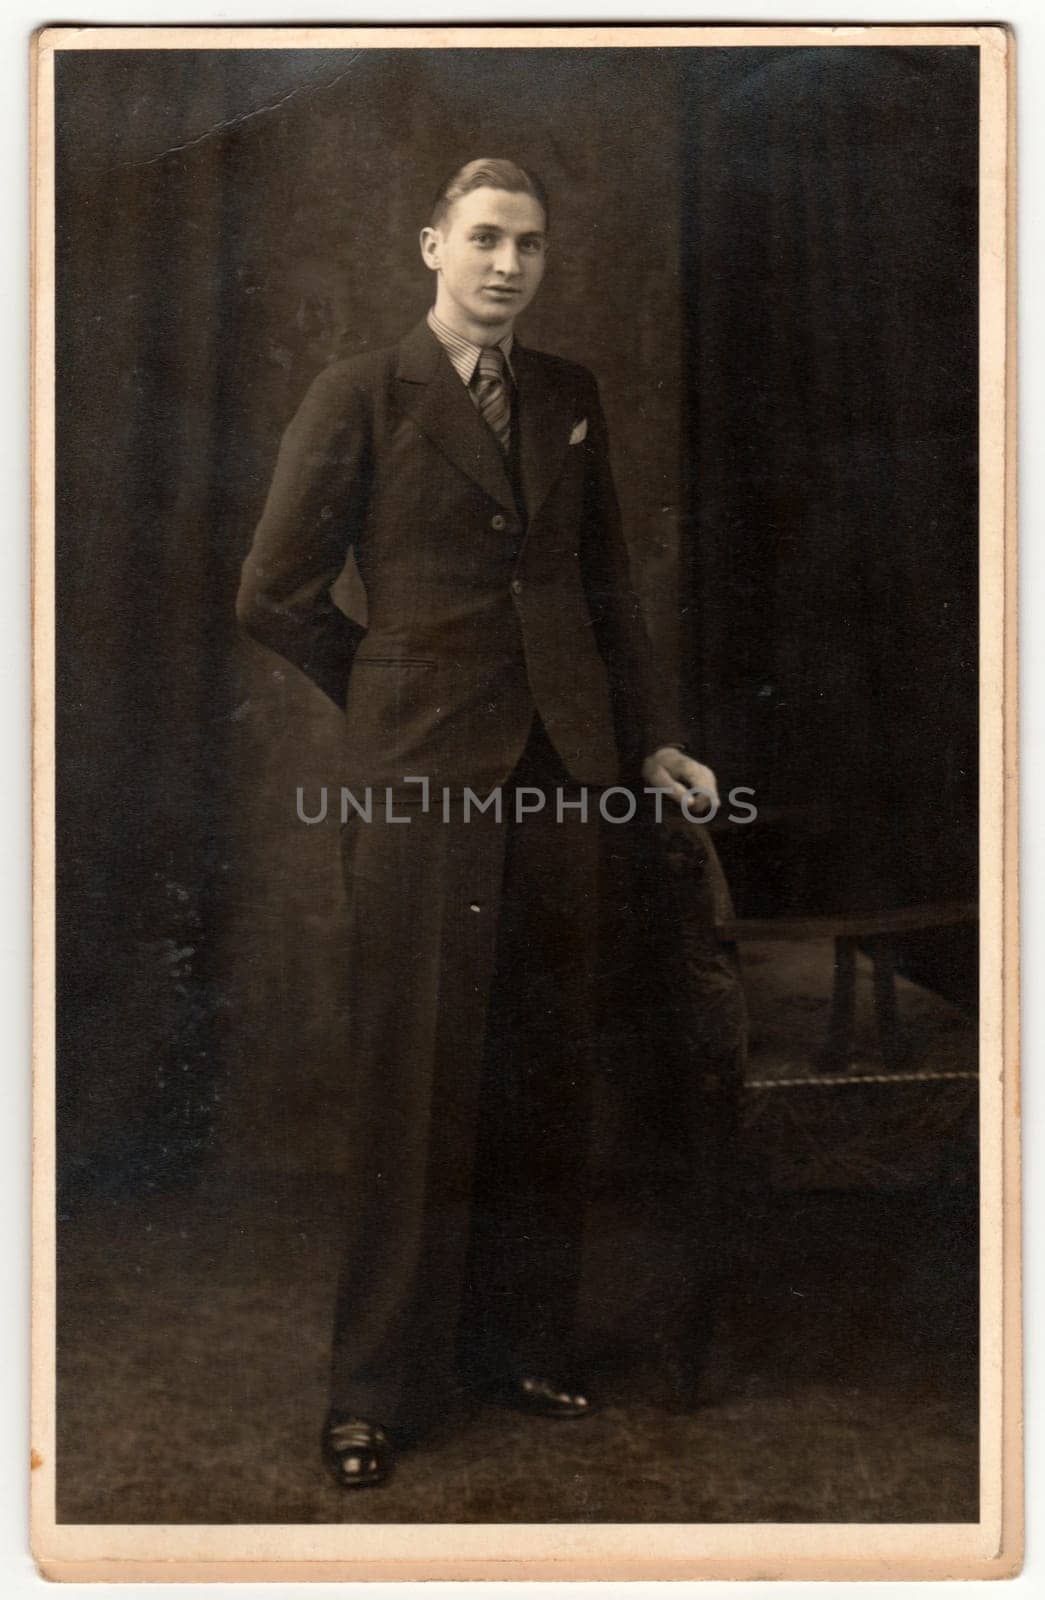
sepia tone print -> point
(522, 523)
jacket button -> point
(498, 523)
(517, 586)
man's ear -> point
(431, 240)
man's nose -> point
(507, 262)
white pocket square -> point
(580, 431)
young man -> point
(504, 651)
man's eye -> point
(533, 247)
(483, 238)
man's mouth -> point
(500, 291)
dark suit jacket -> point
(480, 611)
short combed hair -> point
(486, 173)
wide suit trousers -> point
(471, 997)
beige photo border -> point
(991, 1547)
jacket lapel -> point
(434, 396)
(545, 415)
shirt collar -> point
(462, 352)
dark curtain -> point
(140, 674)
(830, 243)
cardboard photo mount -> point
(991, 1547)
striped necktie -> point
(492, 393)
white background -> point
(19, 20)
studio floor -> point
(841, 1384)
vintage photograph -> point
(520, 567)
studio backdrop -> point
(768, 258)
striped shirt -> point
(464, 355)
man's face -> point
(489, 254)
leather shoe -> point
(541, 1397)
(357, 1453)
